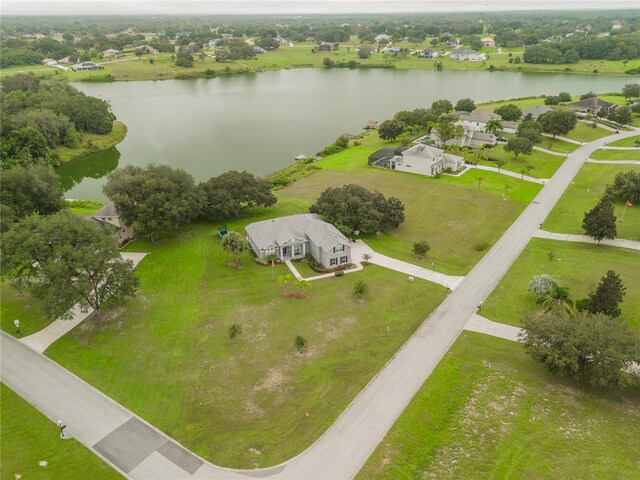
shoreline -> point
(117, 135)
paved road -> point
(144, 453)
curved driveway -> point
(141, 452)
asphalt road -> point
(140, 451)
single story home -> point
(425, 160)
(147, 49)
(593, 105)
(64, 60)
(464, 54)
(391, 50)
(488, 42)
(49, 62)
(325, 47)
(107, 218)
(259, 50)
(428, 53)
(294, 236)
(509, 127)
(382, 38)
(477, 120)
(215, 42)
(79, 67)
(112, 52)
(536, 111)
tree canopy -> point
(465, 104)
(509, 112)
(391, 129)
(593, 349)
(600, 222)
(607, 296)
(225, 195)
(626, 186)
(354, 208)
(62, 261)
(558, 122)
(152, 199)
(518, 146)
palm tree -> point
(493, 126)
(479, 180)
(284, 280)
(558, 298)
(500, 163)
(236, 245)
(303, 285)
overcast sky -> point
(254, 7)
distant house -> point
(536, 111)
(80, 67)
(428, 53)
(593, 105)
(382, 38)
(477, 120)
(325, 47)
(421, 159)
(488, 42)
(509, 127)
(64, 60)
(49, 62)
(391, 50)
(111, 53)
(146, 49)
(457, 114)
(470, 138)
(295, 236)
(616, 25)
(259, 50)
(464, 54)
(107, 218)
(215, 42)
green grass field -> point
(543, 165)
(21, 306)
(490, 412)
(616, 155)
(585, 133)
(445, 211)
(583, 194)
(28, 437)
(92, 143)
(578, 265)
(626, 142)
(167, 355)
(557, 145)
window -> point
(338, 248)
(333, 262)
(344, 260)
(297, 249)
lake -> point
(260, 122)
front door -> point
(286, 251)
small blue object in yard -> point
(222, 231)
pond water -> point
(260, 122)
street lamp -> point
(16, 322)
(62, 427)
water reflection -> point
(96, 165)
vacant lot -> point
(578, 265)
(168, 356)
(585, 132)
(616, 155)
(538, 164)
(584, 193)
(28, 437)
(626, 142)
(490, 412)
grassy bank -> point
(28, 437)
(583, 194)
(510, 301)
(93, 143)
(616, 155)
(488, 411)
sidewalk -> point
(41, 340)
(615, 162)
(509, 173)
(566, 237)
(550, 152)
(480, 324)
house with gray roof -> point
(593, 105)
(295, 236)
(425, 160)
(536, 111)
(107, 218)
(477, 120)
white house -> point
(477, 120)
(110, 53)
(294, 236)
(488, 42)
(382, 38)
(49, 62)
(509, 127)
(464, 54)
(617, 25)
(428, 53)
(470, 138)
(425, 160)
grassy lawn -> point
(29, 437)
(168, 357)
(488, 412)
(21, 306)
(543, 164)
(586, 133)
(445, 211)
(84, 207)
(616, 155)
(626, 142)
(510, 301)
(557, 145)
(92, 143)
(583, 194)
